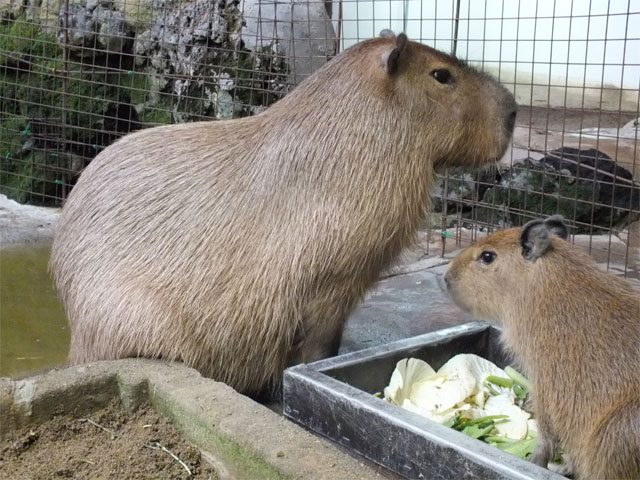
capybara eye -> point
(442, 75)
(487, 257)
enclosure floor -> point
(401, 306)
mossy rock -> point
(30, 179)
(462, 188)
(547, 187)
(139, 13)
(23, 40)
(103, 100)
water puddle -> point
(33, 329)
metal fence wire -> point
(75, 75)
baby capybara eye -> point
(487, 257)
(442, 75)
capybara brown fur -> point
(239, 247)
(575, 330)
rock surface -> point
(302, 29)
(135, 64)
(25, 223)
(585, 186)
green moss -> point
(544, 192)
(11, 134)
(27, 174)
(15, 179)
(155, 116)
(24, 40)
(29, 179)
(132, 84)
(243, 462)
(87, 103)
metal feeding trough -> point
(335, 398)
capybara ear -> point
(392, 59)
(534, 239)
(555, 224)
(387, 33)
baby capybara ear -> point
(392, 59)
(534, 239)
(555, 224)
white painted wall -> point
(578, 53)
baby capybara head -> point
(489, 276)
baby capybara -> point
(575, 329)
(239, 247)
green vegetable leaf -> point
(518, 378)
(492, 391)
(486, 419)
(520, 392)
(519, 448)
(500, 381)
(453, 422)
(493, 439)
(478, 430)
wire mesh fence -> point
(76, 75)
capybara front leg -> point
(545, 446)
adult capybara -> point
(576, 331)
(239, 247)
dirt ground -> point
(108, 444)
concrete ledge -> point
(240, 437)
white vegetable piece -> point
(440, 417)
(408, 371)
(476, 368)
(515, 426)
(442, 392)
(458, 387)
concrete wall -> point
(578, 54)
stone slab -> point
(242, 438)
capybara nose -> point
(511, 121)
(446, 279)
(510, 111)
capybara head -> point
(485, 278)
(471, 114)
(446, 109)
